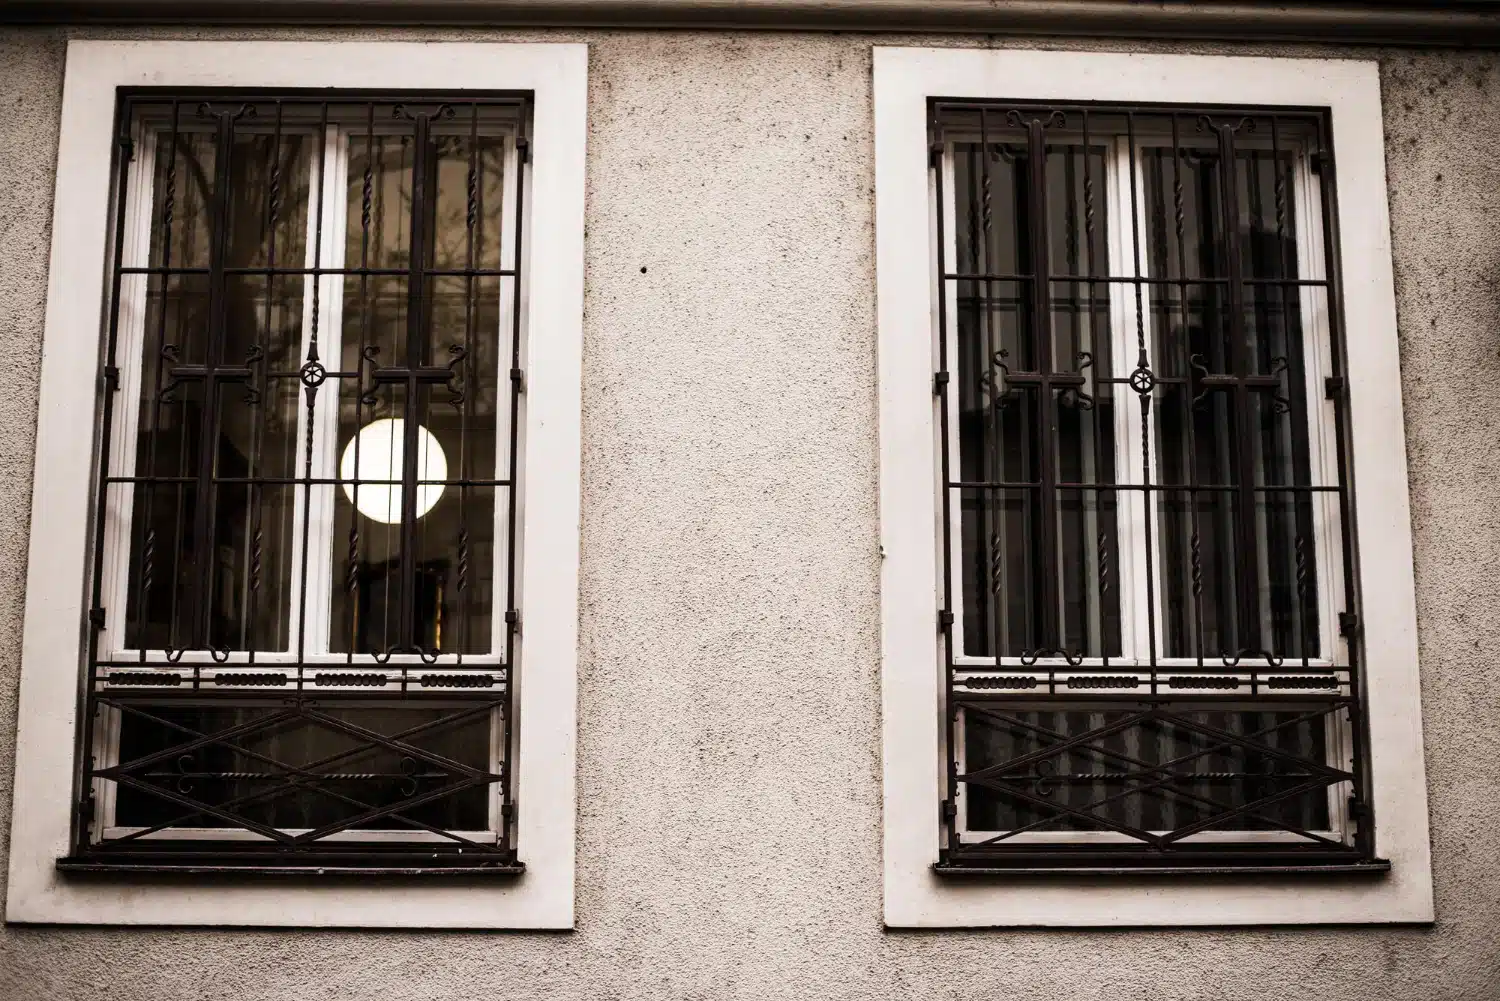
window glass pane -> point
(183, 188)
(1035, 421)
(1158, 774)
(1239, 564)
(218, 402)
(258, 773)
(444, 330)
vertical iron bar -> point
(1035, 560)
(472, 218)
(1102, 351)
(84, 756)
(353, 585)
(1302, 427)
(1223, 521)
(950, 711)
(1285, 268)
(1247, 557)
(146, 542)
(1144, 392)
(388, 644)
(991, 552)
(996, 548)
(1074, 316)
(205, 523)
(311, 392)
(416, 328)
(257, 425)
(1260, 352)
(1158, 299)
(178, 529)
(1195, 537)
(1364, 836)
(517, 387)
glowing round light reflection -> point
(381, 448)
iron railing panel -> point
(1191, 705)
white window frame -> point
(53, 641)
(911, 666)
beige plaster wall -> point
(729, 836)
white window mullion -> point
(1128, 314)
(1327, 544)
(501, 600)
(119, 512)
(119, 501)
(947, 259)
(323, 305)
(1147, 580)
(1322, 438)
(949, 291)
(1076, 175)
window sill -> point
(1364, 868)
(91, 867)
(213, 861)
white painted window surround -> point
(52, 645)
(911, 671)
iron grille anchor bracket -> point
(85, 814)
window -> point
(1140, 384)
(1143, 421)
(306, 492)
(337, 406)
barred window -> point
(1149, 611)
(304, 614)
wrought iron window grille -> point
(1149, 615)
(304, 622)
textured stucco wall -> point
(729, 836)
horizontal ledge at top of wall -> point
(1457, 23)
